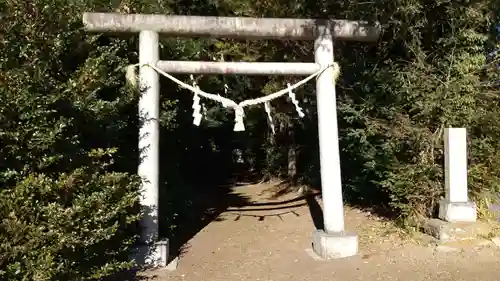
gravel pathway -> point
(275, 245)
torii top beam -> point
(231, 27)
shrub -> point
(67, 209)
(76, 226)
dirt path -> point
(271, 241)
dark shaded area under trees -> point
(68, 125)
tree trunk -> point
(292, 155)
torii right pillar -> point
(332, 241)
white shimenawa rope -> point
(239, 112)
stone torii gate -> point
(333, 241)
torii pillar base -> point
(334, 245)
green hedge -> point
(68, 207)
(78, 226)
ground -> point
(270, 239)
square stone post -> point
(456, 206)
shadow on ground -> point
(196, 208)
(316, 211)
(205, 205)
(375, 202)
(310, 195)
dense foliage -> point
(68, 126)
(67, 205)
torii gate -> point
(333, 241)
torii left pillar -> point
(152, 251)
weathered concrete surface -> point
(448, 231)
(239, 68)
(231, 27)
(457, 211)
(334, 245)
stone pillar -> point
(152, 252)
(332, 242)
(456, 206)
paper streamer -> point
(295, 102)
(239, 113)
(197, 116)
(267, 107)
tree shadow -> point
(198, 206)
(197, 168)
